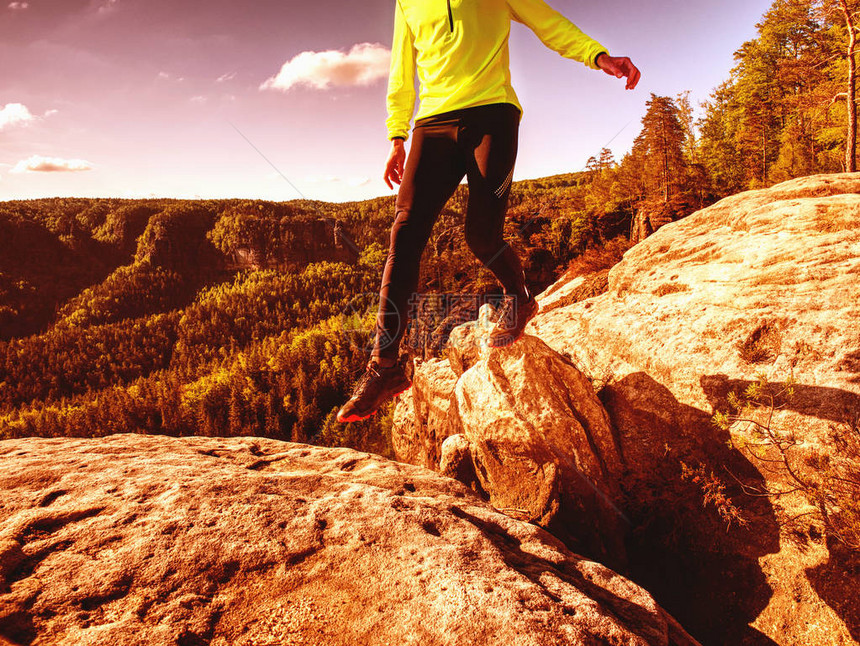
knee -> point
(407, 234)
(484, 244)
(402, 228)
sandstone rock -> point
(764, 282)
(457, 462)
(761, 280)
(539, 438)
(542, 443)
(151, 540)
(11, 556)
(463, 348)
(424, 415)
(565, 292)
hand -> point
(396, 162)
(619, 66)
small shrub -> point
(829, 482)
(713, 493)
(598, 258)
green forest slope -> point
(225, 316)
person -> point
(467, 124)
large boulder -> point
(542, 443)
(761, 288)
(764, 280)
(425, 416)
(539, 439)
(753, 292)
(150, 540)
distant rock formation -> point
(311, 239)
(187, 237)
(648, 219)
(135, 540)
(762, 284)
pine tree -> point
(776, 117)
(660, 147)
(848, 12)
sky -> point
(279, 100)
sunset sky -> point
(167, 98)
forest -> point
(237, 317)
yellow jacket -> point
(460, 48)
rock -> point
(11, 556)
(761, 280)
(764, 282)
(543, 444)
(565, 292)
(463, 348)
(539, 438)
(152, 540)
(457, 462)
(424, 414)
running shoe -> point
(513, 317)
(375, 387)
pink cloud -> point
(362, 65)
(103, 6)
(13, 114)
(40, 164)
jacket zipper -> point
(450, 17)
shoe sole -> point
(358, 418)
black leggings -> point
(480, 143)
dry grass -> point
(594, 260)
(762, 344)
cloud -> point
(50, 113)
(167, 76)
(18, 6)
(362, 65)
(198, 99)
(226, 77)
(103, 6)
(40, 164)
(13, 114)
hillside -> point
(225, 317)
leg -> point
(433, 170)
(491, 140)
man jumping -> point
(467, 124)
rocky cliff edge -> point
(600, 423)
(134, 539)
